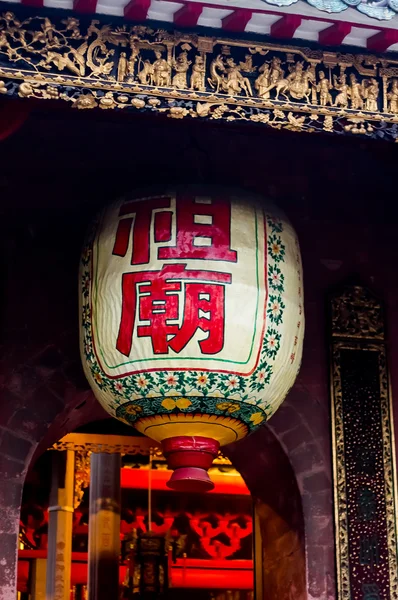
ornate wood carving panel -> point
(363, 450)
(94, 64)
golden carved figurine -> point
(146, 72)
(161, 71)
(247, 65)
(263, 81)
(356, 93)
(297, 84)
(277, 73)
(198, 74)
(236, 83)
(132, 59)
(371, 94)
(392, 97)
(181, 66)
(122, 67)
(216, 79)
(324, 87)
(342, 87)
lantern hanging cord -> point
(150, 491)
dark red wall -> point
(57, 171)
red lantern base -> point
(190, 457)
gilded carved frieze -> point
(92, 64)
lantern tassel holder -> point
(190, 457)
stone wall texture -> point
(61, 167)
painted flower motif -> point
(232, 382)
(229, 407)
(276, 279)
(133, 409)
(257, 418)
(171, 380)
(275, 309)
(142, 382)
(181, 403)
(98, 378)
(276, 248)
(202, 380)
(119, 387)
(272, 343)
(261, 376)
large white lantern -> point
(191, 319)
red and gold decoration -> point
(363, 441)
(192, 319)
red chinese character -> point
(203, 229)
(158, 297)
(142, 212)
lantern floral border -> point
(179, 392)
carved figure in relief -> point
(297, 84)
(392, 97)
(324, 87)
(277, 73)
(343, 89)
(161, 71)
(181, 66)
(247, 66)
(371, 94)
(216, 69)
(262, 82)
(198, 74)
(146, 72)
(356, 93)
(122, 67)
(236, 83)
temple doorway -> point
(224, 545)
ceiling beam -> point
(237, 20)
(85, 6)
(335, 34)
(285, 27)
(188, 15)
(380, 42)
(137, 10)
